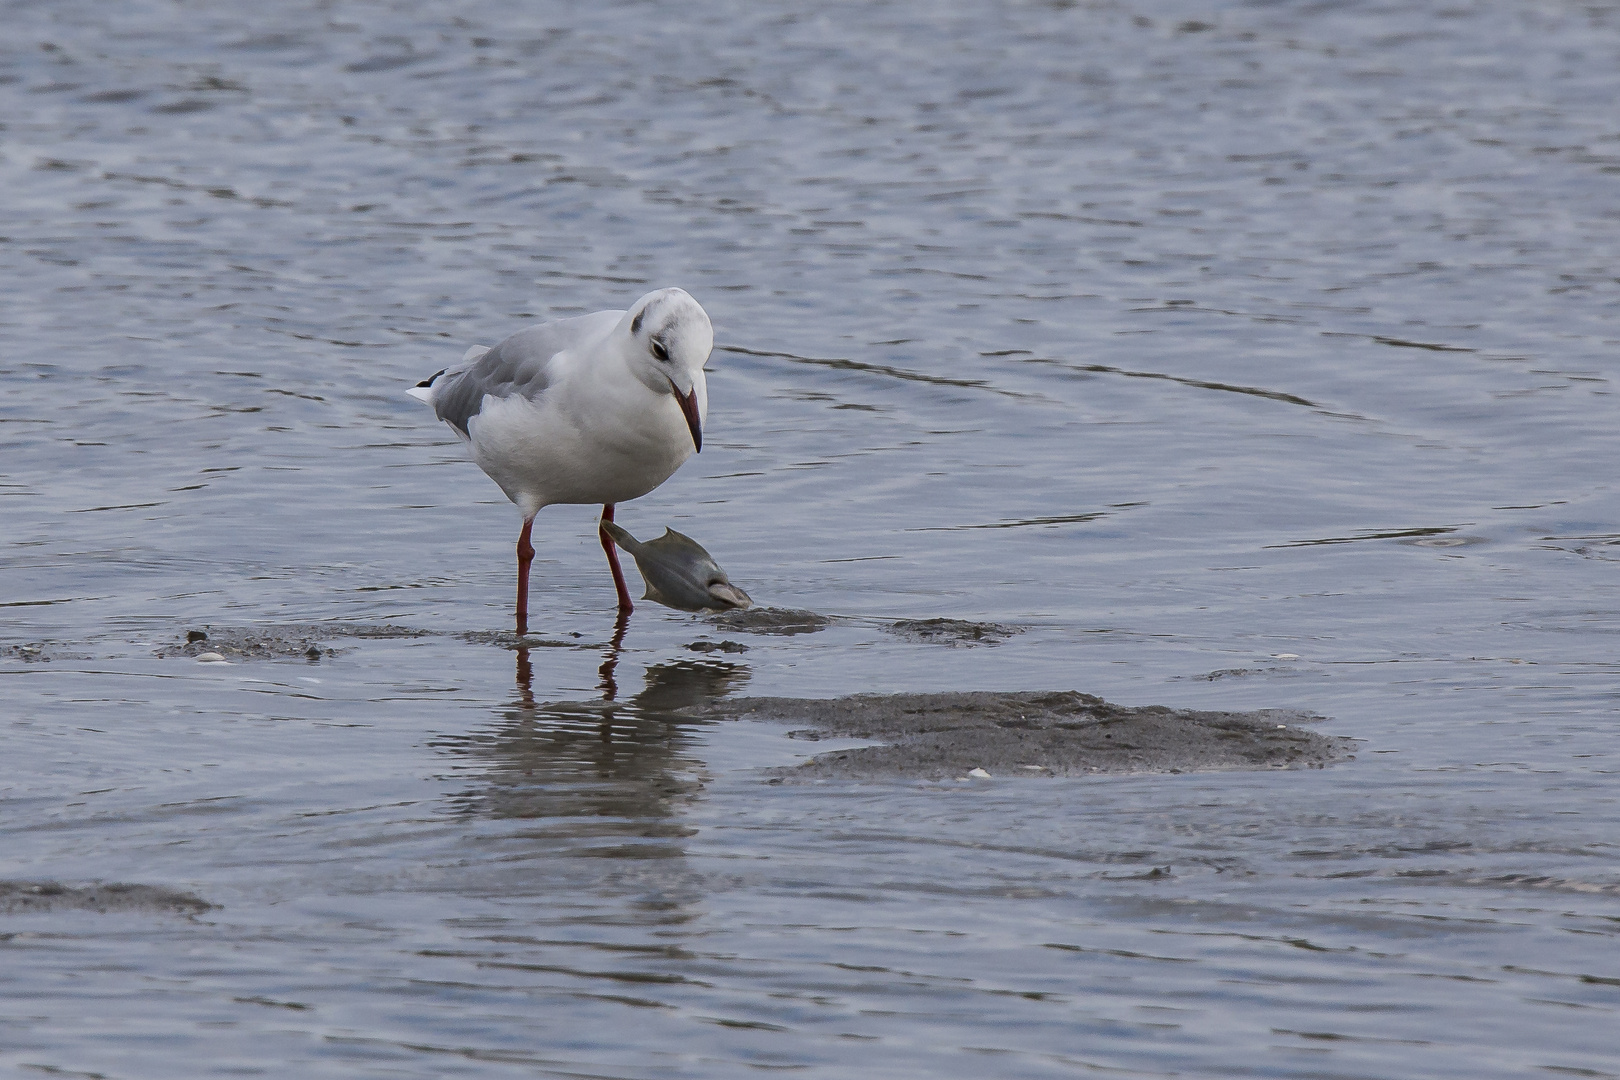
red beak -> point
(690, 409)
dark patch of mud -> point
(38, 652)
(717, 646)
(1239, 673)
(507, 639)
(1059, 733)
(19, 897)
(953, 631)
(781, 621)
(304, 641)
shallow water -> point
(1248, 355)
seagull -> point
(601, 408)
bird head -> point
(670, 341)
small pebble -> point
(1285, 656)
(979, 773)
(211, 658)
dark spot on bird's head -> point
(635, 323)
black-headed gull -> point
(600, 408)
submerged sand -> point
(17, 897)
(1033, 733)
(921, 736)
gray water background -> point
(1246, 354)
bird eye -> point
(659, 351)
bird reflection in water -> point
(610, 664)
(606, 773)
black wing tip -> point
(429, 380)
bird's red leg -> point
(625, 606)
(525, 553)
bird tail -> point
(424, 390)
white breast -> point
(584, 441)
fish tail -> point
(621, 537)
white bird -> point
(600, 408)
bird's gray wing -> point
(519, 365)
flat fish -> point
(679, 573)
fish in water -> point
(679, 573)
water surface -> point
(1246, 355)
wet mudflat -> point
(1023, 734)
(30, 897)
(1136, 363)
(1015, 733)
